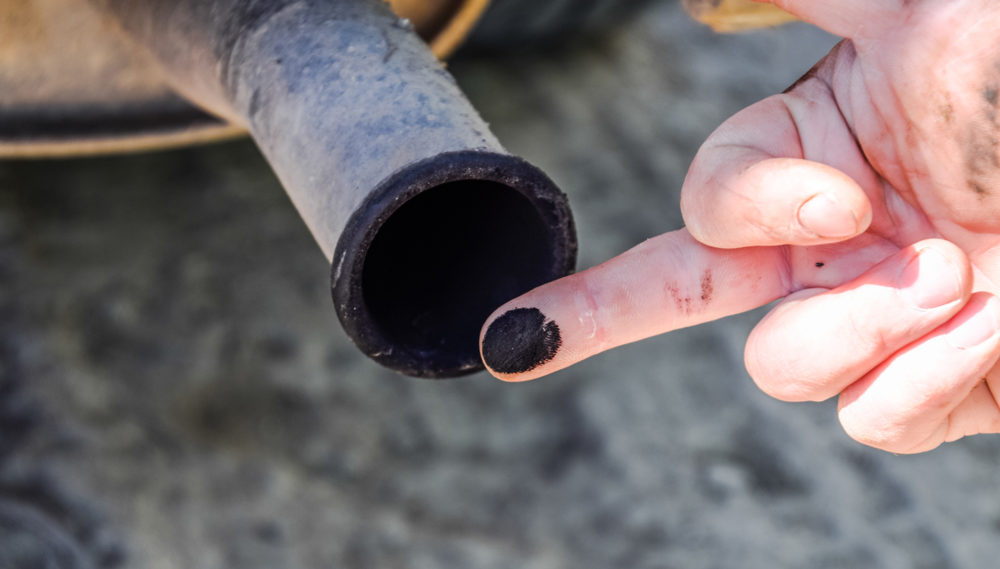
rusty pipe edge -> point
(428, 222)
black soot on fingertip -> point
(520, 340)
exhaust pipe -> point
(428, 222)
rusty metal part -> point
(736, 15)
(72, 84)
(429, 223)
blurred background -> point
(175, 390)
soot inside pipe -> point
(436, 247)
(446, 259)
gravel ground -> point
(175, 391)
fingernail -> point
(826, 218)
(929, 280)
(520, 340)
(981, 326)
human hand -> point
(867, 197)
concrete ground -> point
(175, 391)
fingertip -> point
(826, 217)
(830, 206)
(517, 341)
(945, 258)
(775, 201)
(935, 274)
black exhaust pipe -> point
(428, 222)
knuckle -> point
(873, 336)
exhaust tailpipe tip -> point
(436, 247)
(429, 224)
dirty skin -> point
(520, 340)
(982, 146)
(685, 303)
(706, 287)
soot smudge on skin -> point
(981, 159)
(947, 112)
(707, 289)
(990, 93)
(683, 303)
(981, 145)
(520, 340)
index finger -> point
(666, 283)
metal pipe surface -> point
(428, 222)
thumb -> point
(667, 282)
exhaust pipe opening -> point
(446, 259)
(417, 283)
